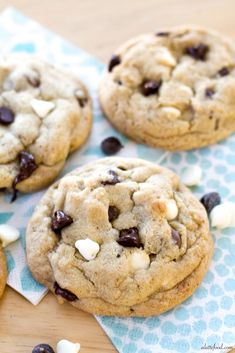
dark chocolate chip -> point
(176, 237)
(43, 348)
(210, 200)
(150, 87)
(27, 167)
(81, 98)
(114, 179)
(217, 124)
(114, 61)
(162, 34)
(209, 92)
(129, 238)
(132, 310)
(224, 71)
(113, 213)
(60, 220)
(111, 145)
(33, 81)
(6, 116)
(64, 293)
(118, 255)
(198, 52)
(122, 168)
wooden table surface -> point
(97, 26)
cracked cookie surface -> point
(119, 237)
(45, 114)
(174, 89)
(3, 271)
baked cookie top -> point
(173, 89)
(45, 113)
(115, 233)
(3, 271)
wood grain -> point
(97, 26)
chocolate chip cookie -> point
(3, 271)
(173, 89)
(45, 114)
(120, 237)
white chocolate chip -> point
(65, 346)
(164, 57)
(8, 234)
(223, 215)
(42, 108)
(191, 175)
(140, 260)
(170, 113)
(87, 248)
(171, 210)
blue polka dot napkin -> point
(204, 322)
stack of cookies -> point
(118, 236)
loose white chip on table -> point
(8, 234)
(41, 107)
(87, 248)
(192, 175)
(65, 346)
(223, 215)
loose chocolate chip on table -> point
(113, 213)
(33, 81)
(111, 145)
(27, 167)
(162, 34)
(60, 220)
(114, 179)
(6, 116)
(129, 238)
(224, 71)
(43, 348)
(150, 87)
(114, 61)
(209, 92)
(198, 52)
(176, 237)
(210, 200)
(66, 294)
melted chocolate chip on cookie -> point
(27, 167)
(129, 238)
(224, 71)
(81, 98)
(64, 293)
(114, 61)
(162, 34)
(209, 92)
(113, 213)
(114, 179)
(176, 237)
(33, 81)
(60, 220)
(6, 116)
(150, 87)
(198, 52)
